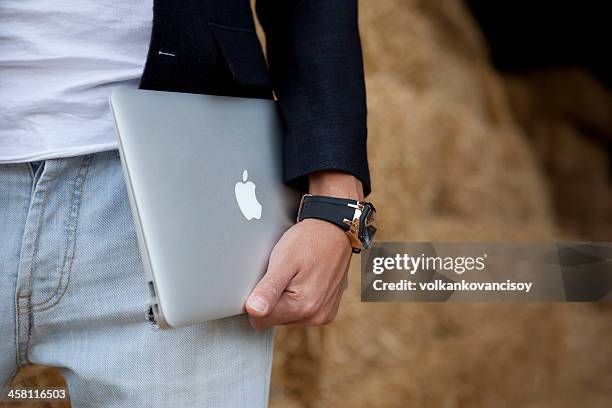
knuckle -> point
(277, 259)
(329, 318)
(319, 320)
(310, 308)
(269, 287)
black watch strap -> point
(331, 209)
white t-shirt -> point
(59, 61)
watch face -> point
(367, 227)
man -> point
(72, 292)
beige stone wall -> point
(460, 152)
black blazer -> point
(315, 71)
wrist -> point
(356, 219)
(333, 183)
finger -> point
(268, 291)
(325, 315)
(290, 311)
(284, 312)
(301, 312)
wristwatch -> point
(356, 218)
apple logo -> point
(246, 198)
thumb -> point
(269, 289)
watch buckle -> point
(353, 232)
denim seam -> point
(75, 212)
(65, 256)
(22, 358)
(38, 172)
(21, 352)
(62, 268)
(41, 213)
(17, 342)
(75, 203)
(43, 204)
(28, 345)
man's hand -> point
(307, 268)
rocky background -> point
(459, 151)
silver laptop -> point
(204, 176)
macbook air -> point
(204, 177)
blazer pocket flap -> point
(243, 54)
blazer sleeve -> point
(315, 60)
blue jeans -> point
(73, 295)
